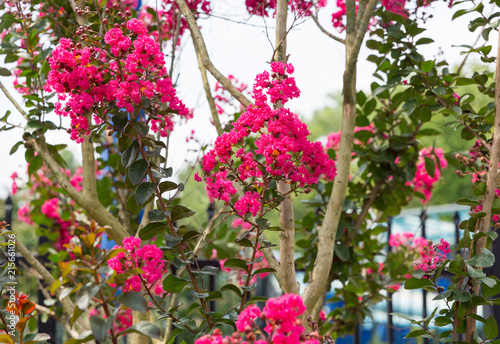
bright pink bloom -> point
(149, 258)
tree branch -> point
(47, 277)
(208, 92)
(328, 230)
(202, 51)
(92, 206)
(489, 196)
(88, 167)
(332, 36)
(13, 101)
(367, 205)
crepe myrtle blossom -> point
(282, 150)
(282, 324)
(148, 258)
(124, 72)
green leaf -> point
(77, 312)
(4, 72)
(190, 235)
(491, 291)
(342, 252)
(144, 191)
(137, 171)
(490, 328)
(130, 154)
(100, 327)
(416, 333)
(469, 202)
(214, 295)
(167, 186)
(158, 215)
(35, 164)
(181, 212)
(263, 270)
(146, 328)
(142, 128)
(33, 338)
(256, 299)
(175, 333)
(15, 147)
(152, 229)
(485, 259)
(427, 66)
(262, 222)
(174, 284)
(134, 300)
(232, 288)
(85, 294)
(417, 283)
(235, 263)
(84, 337)
(430, 166)
(172, 241)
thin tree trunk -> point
(489, 195)
(328, 230)
(287, 236)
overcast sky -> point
(244, 50)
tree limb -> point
(202, 51)
(328, 230)
(13, 101)
(66, 303)
(489, 196)
(92, 206)
(332, 36)
(208, 92)
(367, 205)
(88, 169)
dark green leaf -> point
(417, 283)
(231, 288)
(262, 222)
(15, 147)
(144, 327)
(174, 284)
(181, 212)
(130, 154)
(152, 229)
(167, 186)
(491, 328)
(144, 191)
(137, 171)
(134, 300)
(234, 263)
(158, 215)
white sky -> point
(243, 51)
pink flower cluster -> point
(423, 182)
(148, 258)
(429, 256)
(170, 18)
(282, 148)
(89, 79)
(300, 7)
(283, 325)
(432, 256)
(14, 187)
(333, 140)
(407, 240)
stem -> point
(367, 205)
(202, 51)
(328, 230)
(93, 207)
(489, 195)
